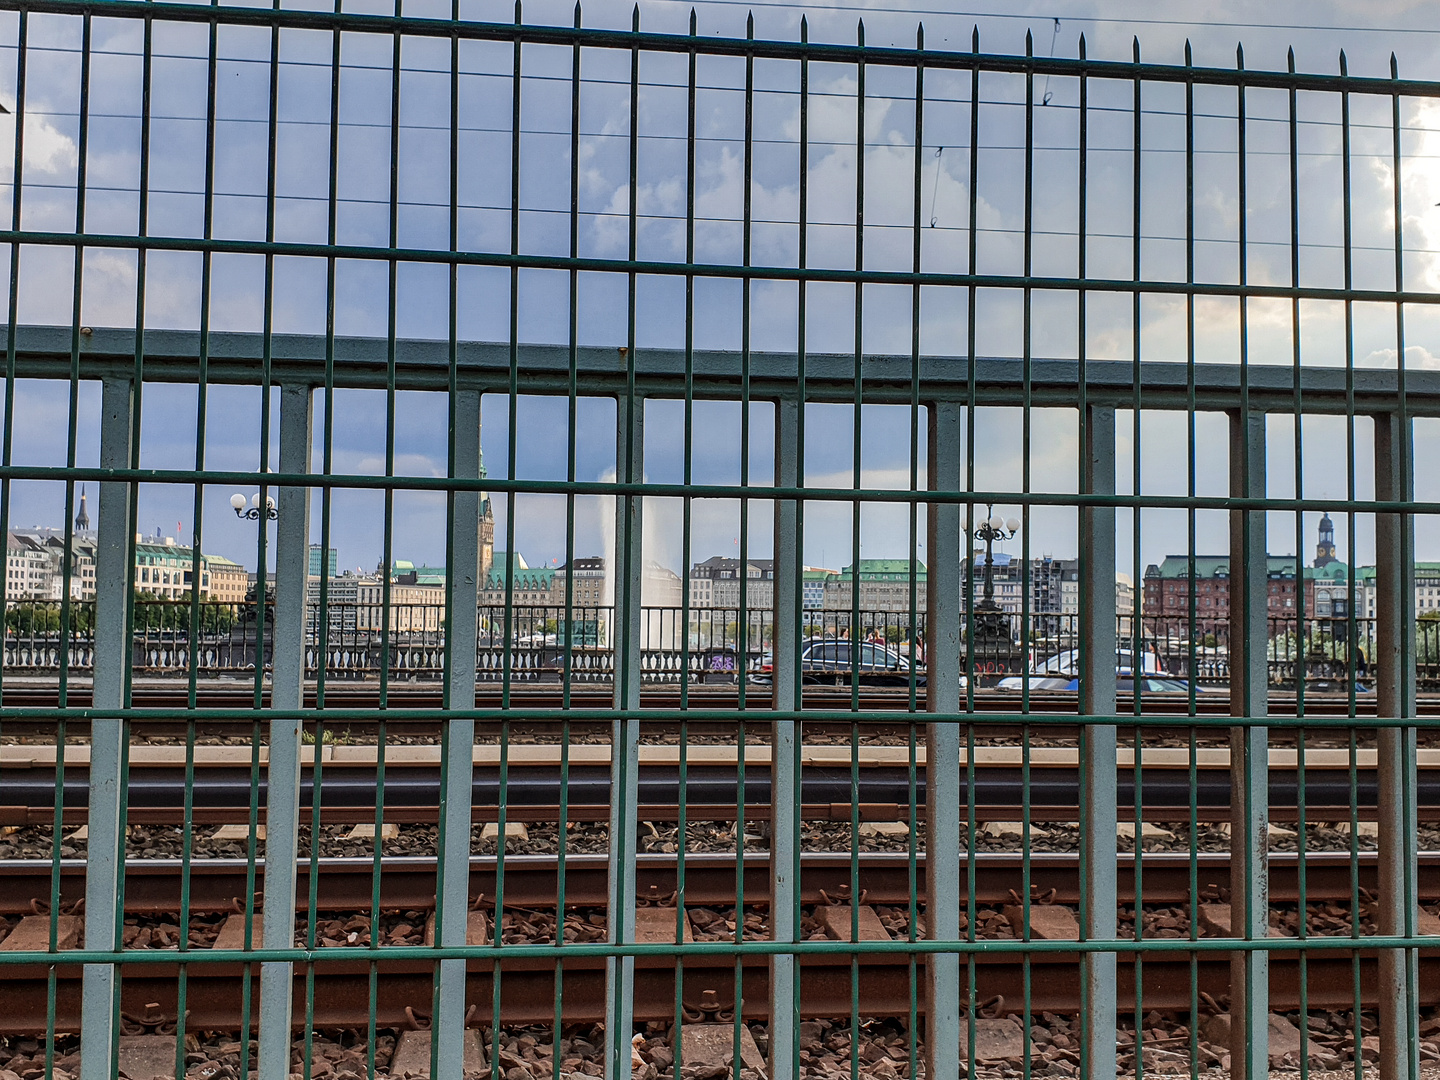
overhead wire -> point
(808, 6)
(660, 84)
(718, 220)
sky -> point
(537, 525)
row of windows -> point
(166, 577)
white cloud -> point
(1417, 358)
(47, 149)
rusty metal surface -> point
(345, 884)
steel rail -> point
(648, 41)
(1007, 753)
(154, 886)
(405, 987)
(362, 362)
(422, 701)
(735, 271)
(410, 792)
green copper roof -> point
(885, 569)
(1212, 566)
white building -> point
(29, 569)
(1427, 591)
(715, 583)
(1124, 595)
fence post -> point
(105, 865)
(1249, 753)
(943, 795)
(287, 694)
(1098, 741)
(784, 768)
(625, 736)
(1393, 668)
(462, 603)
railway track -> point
(528, 781)
(367, 696)
(527, 983)
(154, 886)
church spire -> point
(1325, 548)
(82, 519)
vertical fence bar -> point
(784, 783)
(287, 695)
(104, 863)
(625, 736)
(460, 651)
(1249, 753)
(1394, 669)
(944, 799)
(1098, 741)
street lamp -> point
(253, 511)
(990, 622)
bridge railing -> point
(530, 643)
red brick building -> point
(1168, 588)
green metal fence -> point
(469, 216)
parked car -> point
(833, 661)
(1124, 684)
(1062, 671)
(1068, 662)
(1016, 683)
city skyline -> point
(539, 531)
(1327, 551)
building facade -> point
(1427, 590)
(884, 586)
(29, 568)
(323, 557)
(514, 577)
(715, 583)
(1124, 595)
(229, 581)
(342, 601)
(584, 578)
(1320, 590)
(165, 570)
(812, 587)
(413, 608)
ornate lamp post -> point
(253, 512)
(990, 621)
(246, 629)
